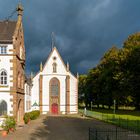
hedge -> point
(31, 116)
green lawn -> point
(125, 119)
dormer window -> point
(54, 67)
(3, 49)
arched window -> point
(54, 67)
(54, 87)
(3, 108)
(3, 77)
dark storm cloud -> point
(84, 29)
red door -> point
(55, 109)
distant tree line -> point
(116, 77)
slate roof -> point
(7, 29)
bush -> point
(9, 123)
(26, 118)
(31, 116)
(34, 114)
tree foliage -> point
(116, 77)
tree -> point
(82, 88)
(132, 67)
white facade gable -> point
(48, 67)
(66, 101)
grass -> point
(126, 119)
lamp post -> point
(91, 105)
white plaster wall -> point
(61, 74)
(73, 94)
(45, 94)
(6, 97)
(46, 81)
(5, 90)
(60, 65)
(27, 96)
(35, 91)
(6, 64)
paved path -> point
(57, 128)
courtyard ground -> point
(58, 128)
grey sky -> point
(84, 29)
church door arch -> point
(54, 96)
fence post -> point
(107, 137)
(127, 123)
(89, 133)
(107, 117)
(137, 130)
(96, 135)
(116, 133)
(119, 120)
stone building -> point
(12, 65)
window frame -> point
(54, 67)
(3, 49)
(5, 108)
(3, 78)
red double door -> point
(54, 109)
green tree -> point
(132, 67)
(82, 88)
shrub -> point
(26, 118)
(9, 123)
(34, 114)
(31, 116)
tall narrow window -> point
(54, 67)
(3, 49)
(3, 78)
(54, 87)
(3, 108)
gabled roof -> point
(54, 49)
(7, 29)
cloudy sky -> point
(84, 29)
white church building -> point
(55, 88)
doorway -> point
(54, 109)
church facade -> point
(55, 88)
